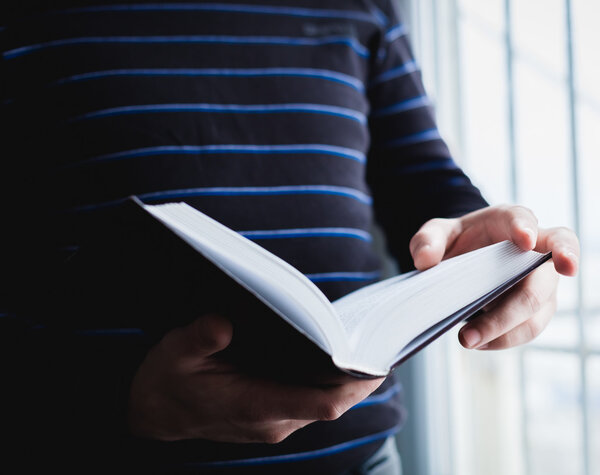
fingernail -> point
(524, 226)
(471, 337)
(572, 256)
(530, 232)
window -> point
(517, 91)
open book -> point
(373, 329)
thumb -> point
(200, 339)
(428, 246)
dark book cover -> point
(137, 273)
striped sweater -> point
(296, 123)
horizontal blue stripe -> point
(307, 232)
(212, 72)
(296, 457)
(261, 191)
(239, 8)
(228, 108)
(382, 19)
(458, 181)
(237, 191)
(110, 331)
(395, 33)
(358, 48)
(425, 136)
(5, 315)
(231, 149)
(409, 104)
(343, 276)
(406, 68)
(381, 398)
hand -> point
(522, 313)
(181, 391)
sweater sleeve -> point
(64, 394)
(411, 172)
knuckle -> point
(534, 327)
(510, 339)
(505, 341)
(520, 209)
(418, 237)
(563, 235)
(437, 221)
(565, 229)
(530, 299)
(329, 411)
(568, 234)
(443, 224)
(492, 326)
(500, 213)
(274, 436)
(432, 223)
(501, 210)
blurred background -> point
(517, 91)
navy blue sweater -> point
(295, 123)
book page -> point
(352, 308)
(279, 285)
(402, 311)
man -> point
(302, 121)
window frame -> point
(437, 441)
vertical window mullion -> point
(514, 198)
(511, 101)
(577, 225)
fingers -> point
(534, 299)
(268, 412)
(281, 410)
(564, 245)
(276, 433)
(442, 238)
(290, 402)
(429, 244)
(523, 333)
(192, 344)
(439, 238)
(514, 223)
(520, 226)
